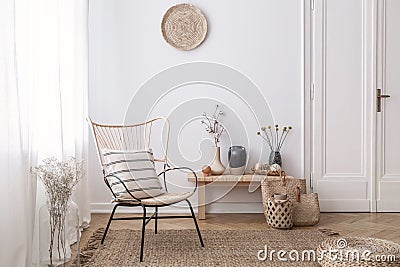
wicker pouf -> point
(279, 213)
(358, 251)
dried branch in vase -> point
(213, 125)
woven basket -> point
(282, 185)
(347, 246)
(306, 210)
(279, 213)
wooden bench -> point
(225, 178)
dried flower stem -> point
(266, 138)
(276, 139)
(283, 140)
(272, 137)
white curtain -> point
(43, 106)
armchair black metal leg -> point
(195, 222)
(156, 220)
(143, 230)
(109, 222)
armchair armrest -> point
(174, 169)
(122, 182)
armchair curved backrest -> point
(130, 137)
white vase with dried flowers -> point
(275, 141)
(216, 129)
(59, 178)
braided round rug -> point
(171, 248)
(184, 27)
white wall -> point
(261, 39)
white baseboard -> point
(344, 205)
(235, 207)
(388, 205)
(223, 207)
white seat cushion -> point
(135, 169)
(166, 198)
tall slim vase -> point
(69, 234)
(217, 168)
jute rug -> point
(170, 248)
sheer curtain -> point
(43, 106)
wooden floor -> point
(379, 225)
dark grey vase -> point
(275, 158)
(237, 157)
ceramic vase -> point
(237, 157)
(275, 158)
(217, 168)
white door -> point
(342, 104)
(388, 119)
(355, 159)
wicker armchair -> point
(133, 138)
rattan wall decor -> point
(184, 27)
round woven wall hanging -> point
(184, 27)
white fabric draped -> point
(43, 106)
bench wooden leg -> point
(201, 201)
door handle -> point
(379, 97)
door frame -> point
(382, 204)
(308, 91)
